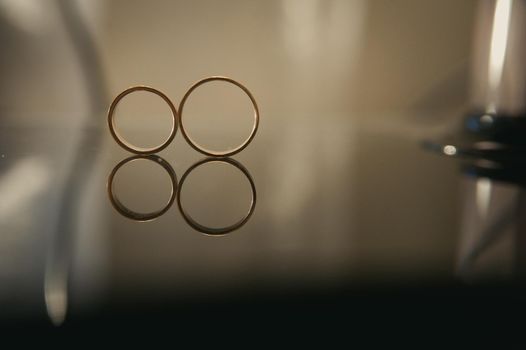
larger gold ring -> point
(128, 146)
(203, 150)
(217, 231)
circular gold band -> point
(128, 146)
(203, 150)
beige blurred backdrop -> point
(302, 58)
(351, 58)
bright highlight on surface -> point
(499, 42)
(449, 150)
(483, 195)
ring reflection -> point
(175, 192)
(216, 231)
(124, 210)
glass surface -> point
(337, 204)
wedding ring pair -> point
(177, 120)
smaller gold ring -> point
(204, 150)
(122, 209)
(128, 146)
(212, 231)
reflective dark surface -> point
(340, 208)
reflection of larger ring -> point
(128, 146)
(122, 209)
(221, 230)
(204, 150)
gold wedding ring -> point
(128, 146)
(203, 150)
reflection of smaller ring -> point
(122, 209)
(128, 146)
(221, 230)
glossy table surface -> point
(334, 206)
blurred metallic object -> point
(120, 140)
(56, 285)
(490, 231)
(85, 48)
(225, 153)
(222, 230)
(499, 75)
(495, 124)
(494, 139)
(125, 211)
(59, 256)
